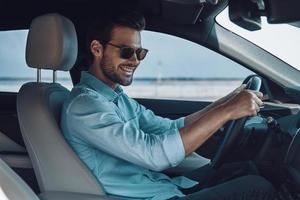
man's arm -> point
(197, 115)
(96, 123)
(151, 123)
(197, 131)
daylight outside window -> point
(173, 69)
(281, 40)
(176, 68)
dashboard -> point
(286, 124)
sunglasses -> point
(127, 52)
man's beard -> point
(108, 70)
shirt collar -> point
(99, 86)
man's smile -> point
(127, 69)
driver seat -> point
(51, 44)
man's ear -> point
(96, 49)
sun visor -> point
(184, 11)
(282, 11)
(248, 13)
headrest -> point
(51, 43)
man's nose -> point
(134, 59)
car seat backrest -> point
(51, 44)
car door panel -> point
(172, 108)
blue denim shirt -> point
(124, 144)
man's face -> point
(116, 69)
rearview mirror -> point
(247, 13)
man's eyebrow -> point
(135, 47)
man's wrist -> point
(226, 111)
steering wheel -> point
(234, 129)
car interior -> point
(37, 163)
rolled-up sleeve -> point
(99, 125)
(151, 123)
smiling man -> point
(125, 45)
(125, 145)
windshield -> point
(281, 40)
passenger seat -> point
(12, 187)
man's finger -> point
(242, 87)
(258, 101)
(257, 108)
(258, 94)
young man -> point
(124, 144)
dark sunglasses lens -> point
(127, 52)
(141, 53)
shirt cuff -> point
(180, 122)
(174, 148)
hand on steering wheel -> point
(236, 126)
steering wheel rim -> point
(234, 128)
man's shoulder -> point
(81, 94)
(80, 90)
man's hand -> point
(240, 103)
(197, 115)
(234, 92)
(244, 103)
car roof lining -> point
(81, 11)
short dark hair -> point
(101, 30)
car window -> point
(14, 70)
(281, 40)
(179, 69)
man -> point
(125, 145)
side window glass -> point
(176, 68)
(14, 70)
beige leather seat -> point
(12, 187)
(51, 44)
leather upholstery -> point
(56, 166)
(52, 44)
(12, 187)
(47, 46)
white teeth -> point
(128, 70)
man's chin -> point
(126, 82)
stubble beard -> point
(108, 70)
